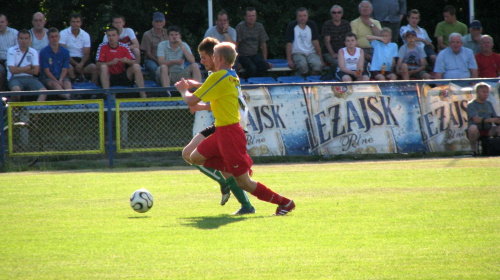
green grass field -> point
(415, 219)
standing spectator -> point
(39, 39)
(481, 115)
(127, 36)
(333, 32)
(455, 62)
(471, 40)
(383, 62)
(364, 25)
(117, 65)
(8, 38)
(150, 41)
(251, 36)
(412, 62)
(23, 66)
(448, 26)
(172, 54)
(77, 41)
(390, 13)
(351, 61)
(54, 64)
(221, 30)
(303, 52)
(488, 62)
(423, 40)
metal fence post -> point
(110, 127)
(2, 132)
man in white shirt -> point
(303, 51)
(23, 65)
(8, 38)
(77, 41)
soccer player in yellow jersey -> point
(226, 148)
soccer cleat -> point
(244, 211)
(284, 209)
(226, 193)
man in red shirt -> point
(488, 62)
(117, 65)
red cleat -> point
(284, 209)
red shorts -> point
(226, 150)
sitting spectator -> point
(365, 25)
(455, 61)
(488, 62)
(39, 38)
(448, 26)
(172, 54)
(303, 52)
(423, 40)
(150, 41)
(54, 64)
(412, 62)
(23, 66)
(333, 32)
(221, 30)
(127, 36)
(471, 40)
(117, 65)
(251, 36)
(351, 61)
(481, 115)
(77, 41)
(384, 52)
(8, 38)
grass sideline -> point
(414, 219)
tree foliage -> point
(192, 17)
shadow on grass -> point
(139, 217)
(211, 222)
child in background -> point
(383, 63)
(351, 61)
(412, 59)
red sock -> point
(265, 194)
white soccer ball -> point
(141, 201)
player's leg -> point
(241, 196)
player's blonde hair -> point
(227, 51)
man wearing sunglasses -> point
(333, 32)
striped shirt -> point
(164, 50)
(7, 40)
(336, 33)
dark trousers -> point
(255, 65)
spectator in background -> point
(448, 26)
(471, 40)
(23, 66)
(390, 13)
(77, 41)
(172, 54)
(150, 41)
(127, 36)
(481, 115)
(117, 65)
(251, 36)
(455, 62)
(39, 39)
(488, 62)
(303, 52)
(8, 38)
(412, 62)
(54, 64)
(423, 40)
(222, 31)
(365, 25)
(351, 61)
(383, 63)
(333, 32)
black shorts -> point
(120, 80)
(79, 59)
(208, 131)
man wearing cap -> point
(412, 62)
(455, 61)
(150, 41)
(488, 62)
(471, 40)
